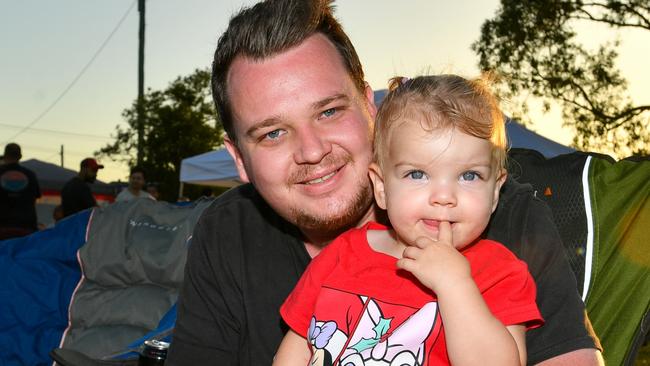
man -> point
(76, 195)
(135, 188)
(19, 191)
(290, 92)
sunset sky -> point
(69, 67)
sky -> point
(68, 68)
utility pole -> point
(141, 83)
(61, 156)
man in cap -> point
(18, 193)
(76, 195)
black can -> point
(153, 353)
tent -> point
(213, 168)
(521, 137)
(51, 179)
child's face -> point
(444, 175)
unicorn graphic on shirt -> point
(373, 342)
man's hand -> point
(436, 263)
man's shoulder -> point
(74, 180)
(18, 167)
(74, 185)
(516, 193)
(520, 215)
(71, 182)
(242, 209)
(518, 201)
(241, 197)
(240, 224)
(124, 195)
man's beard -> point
(336, 225)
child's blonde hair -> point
(442, 102)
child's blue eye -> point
(470, 176)
(415, 174)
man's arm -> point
(525, 225)
(585, 356)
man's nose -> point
(312, 145)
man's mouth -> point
(321, 179)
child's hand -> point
(436, 264)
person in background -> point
(135, 188)
(299, 118)
(76, 195)
(153, 190)
(19, 191)
(57, 213)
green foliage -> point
(531, 45)
(179, 122)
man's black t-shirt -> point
(76, 196)
(244, 260)
(18, 193)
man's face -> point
(304, 135)
(90, 175)
(429, 177)
(136, 181)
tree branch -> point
(630, 113)
(643, 21)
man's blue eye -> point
(470, 176)
(273, 134)
(329, 112)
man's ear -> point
(501, 179)
(233, 150)
(377, 178)
(370, 101)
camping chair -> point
(602, 211)
(132, 268)
(97, 285)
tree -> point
(179, 121)
(531, 46)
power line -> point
(55, 131)
(74, 81)
(50, 150)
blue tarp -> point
(38, 274)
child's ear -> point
(501, 178)
(377, 178)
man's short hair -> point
(271, 27)
(137, 169)
(12, 151)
